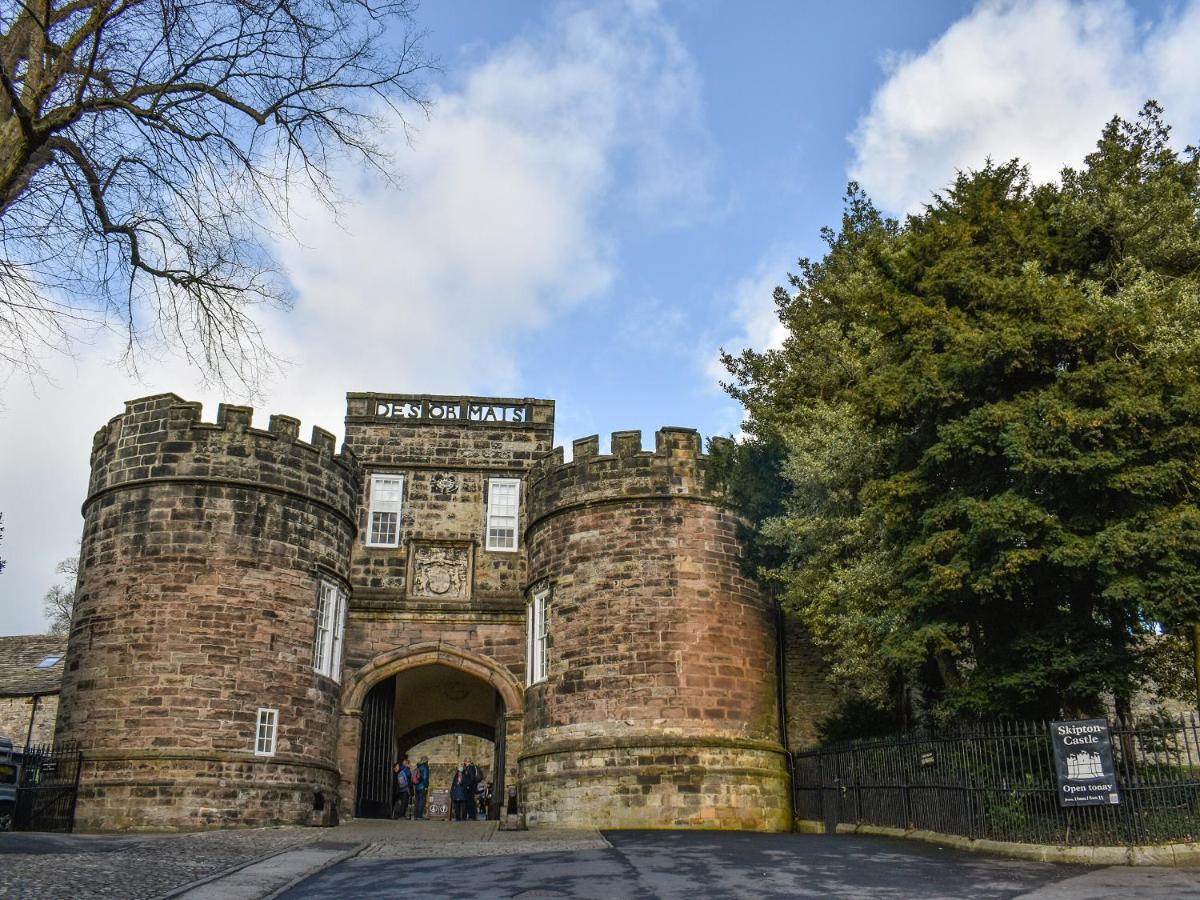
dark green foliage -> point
(856, 718)
(990, 422)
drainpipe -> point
(1196, 660)
(781, 693)
(32, 716)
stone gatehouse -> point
(263, 624)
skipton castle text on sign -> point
(263, 624)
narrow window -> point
(264, 742)
(331, 623)
(536, 628)
(387, 495)
(504, 501)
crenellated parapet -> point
(163, 439)
(676, 467)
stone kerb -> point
(162, 438)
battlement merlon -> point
(162, 438)
(168, 413)
(676, 467)
(670, 442)
(456, 410)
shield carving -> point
(439, 577)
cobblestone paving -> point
(141, 867)
(131, 867)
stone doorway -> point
(433, 710)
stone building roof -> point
(20, 655)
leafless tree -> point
(59, 602)
(147, 148)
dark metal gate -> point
(47, 789)
(376, 752)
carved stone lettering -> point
(494, 412)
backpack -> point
(416, 779)
(402, 780)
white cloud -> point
(500, 227)
(1034, 79)
(752, 320)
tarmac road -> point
(694, 865)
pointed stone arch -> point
(385, 665)
(509, 729)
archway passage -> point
(428, 710)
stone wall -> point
(446, 448)
(203, 549)
(660, 705)
(15, 715)
(446, 463)
(448, 751)
(809, 695)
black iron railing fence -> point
(998, 781)
(47, 788)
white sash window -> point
(538, 619)
(331, 624)
(264, 739)
(504, 506)
(387, 498)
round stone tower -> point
(659, 705)
(191, 683)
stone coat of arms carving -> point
(445, 484)
(440, 572)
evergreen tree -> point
(989, 418)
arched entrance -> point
(432, 700)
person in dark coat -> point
(471, 778)
(458, 797)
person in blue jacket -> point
(458, 797)
(401, 788)
(421, 785)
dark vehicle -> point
(10, 772)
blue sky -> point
(604, 195)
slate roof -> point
(19, 656)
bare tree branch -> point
(147, 145)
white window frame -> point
(266, 731)
(331, 627)
(537, 627)
(380, 506)
(505, 519)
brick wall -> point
(202, 552)
(660, 706)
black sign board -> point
(438, 806)
(1084, 759)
